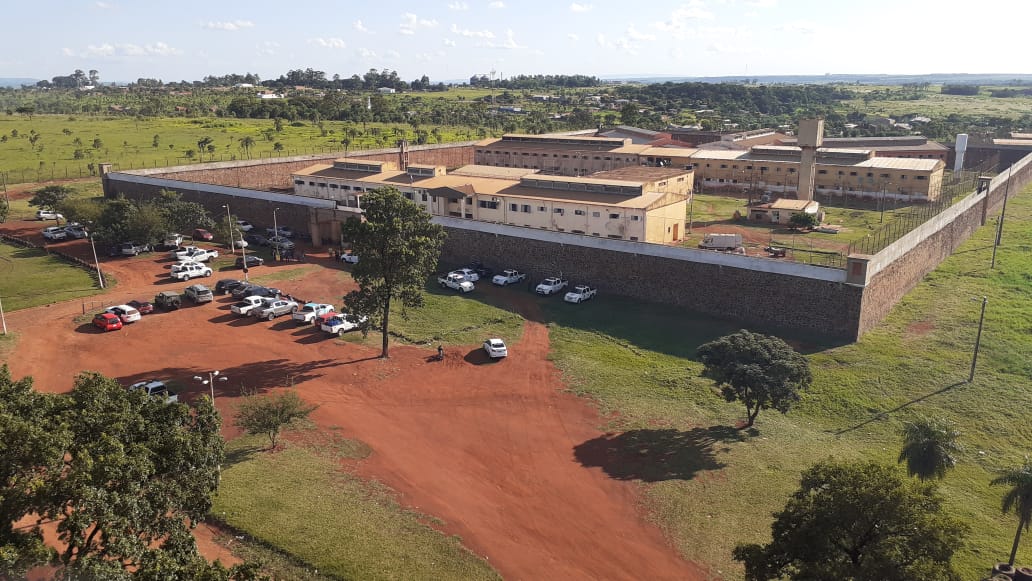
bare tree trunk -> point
(383, 329)
(1017, 540)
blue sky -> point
(453, 39)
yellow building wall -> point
(666, 222)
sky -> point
(454, 39)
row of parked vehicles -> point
(463, 279)
(115, 317)
(269, 303)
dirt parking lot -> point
(486, 448)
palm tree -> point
(1018, 499)
(929, 448)
(247, 143)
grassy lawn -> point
(30, 277)
(719, 487)
(334, 522)
(450, 318)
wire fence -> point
(26, 243)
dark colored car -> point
(107, 322)
(264, 291)
(252, 261)
(243, 290)
(202, 234)
(257, 239)
(226, 285)
(144, 307)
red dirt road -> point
(488, 447)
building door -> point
(677, 228)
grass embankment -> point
(711, 488)
(30, 277)
(341, 526)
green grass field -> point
(343, 527)
(722, 486)
(30, 277)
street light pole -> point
(275, 225)
(100, 277)
(978, 340)
(229, 228)
(210, 382)
(3, 319)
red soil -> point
(487, 447)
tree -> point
(1018, 499)
(803, 221)
(50, 197)
(26, 110)
(82, 210)
(202, 145)
(399, 247)
(97, 143)
(247, 143)
(178, 215)
(124, 475)
(5, 210)
(929, 448)
(269, 414)
(859, 521)
(761, 371)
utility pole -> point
(978, 341)
(1003, 213)
(691, 204)
(3, 319)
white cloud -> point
(366, 53)
(678, 20)
(328, 42)
(449, 42)
(471, 33)
(497, 4)
(123, 50)
(761, 3)
(458, 6)
(509, 43)
(798, 27)
(267, 48)
(392, 54)
(573, 37)
(104, 5)
(633, 34)
(410, 23)
(357, 25)
(230, 25)
(575, 7)
(600, 39)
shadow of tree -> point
(652, 455)
(258, 375)
(239, 455)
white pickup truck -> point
(551, 285)
(455, 281)
(272, 308)
(200, 255)
(311, 312)
(247, 305)
(342, 323)
(509, 276)
(191, 270)
(579, 294)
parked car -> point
(75, 231)
(246, 305)
(54, 233)
(240, 243)
(107, 321)
(579, 294)
(280, 243)
(273, 308)
(168, 300)
(144, 307)
(508, 276)
(247, 290)
(157, 389)
(198, 293)
(284, 231)
(48, 215)
(455, 281)
(256, 239)
(172, 240)
(349, 258)
(124, 312)
(551, 286)
(481, 270)
(496, 348)
(200, 255)
(342, 323)
(191, 270)
(244, 226)
(202, 234)
(133, 248)
(310, 312)
(251, 261)
(179, 252)
(468, 273)
(226, 285)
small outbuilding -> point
(781, 211)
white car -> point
(551, 286)
(342, 323)
(156, 388)
(181, 251)
(124, 312)
(467, 273)
(310, 312)
(191, 270)
(496, 348)
(48, 215)
(244, 225)
(53, 233)
(508, 276)
(349, 258)
(199, 255)
(579, 294)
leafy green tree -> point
(399, 248)
(179, 215)
(930, 448)
(803, 221)
(122, 220)
(247, 143)
(202, 145)
(279, 147)
(761, 371)
(27, 110)
(97, 143)
(269, 414)
(858, 521)
(1018, 499)
(227, 230)
(50, 197)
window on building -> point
(748, 167)
(617, 236)
(723, 166)
(334, 186)
(408, 195)
(322, 184)
(791, 170)
(596, 214)
(513, 207)
(734, 166)
(559, 211)
(526, 208)
(469, 200)
(311, 183)
(299, 182)
(542, 209)
(852, 173)
(578, 212)
(635, 218)
(903, 176)
(883, 175)
(661, 184)
(920, 177)
(614, 216)
(822, 171)
(870, 174)
(424, 197)
(634, 238)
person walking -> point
(440, 352)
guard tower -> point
(811, 136)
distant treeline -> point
(1010, 92)
(960, 89)
(531, 82)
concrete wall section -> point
(762, 297)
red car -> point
(144, 307)
(107, 322)
(202, 234)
